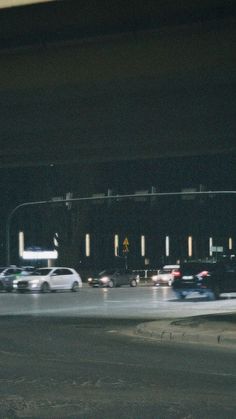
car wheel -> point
(45, 287)
(75, 286)
(216, 292)
(9, 289)
(133, 283)
(180, 295)
(110, 284)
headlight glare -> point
(104, 279)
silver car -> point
(166, 275)
(7, 276)
(49, 279)
(113, 278)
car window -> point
(108, 272)
(230, 267)
(9, 272)
(42, 272)
(195, 268)
(66, 272)
(57, 272)
(165, 271)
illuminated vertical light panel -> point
(190, 246)
(143, 250)
(116, 245)
(167, 246)
(210, 246)
(21, 243)
(87, 245)
(230, 243)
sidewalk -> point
(217, 329)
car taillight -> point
(176, 274)
(203, 274)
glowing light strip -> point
(116, 245)
(167, 246)
(87, 245)
(143, 246)
(190, 246)
(21, 243)
(210, 246)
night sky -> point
(160, 81)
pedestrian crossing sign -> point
(126, 245)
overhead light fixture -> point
(4, 4)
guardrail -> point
(145, 273)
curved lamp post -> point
(97, 198)
(8, 226)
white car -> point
(49, 279)
(166, 275)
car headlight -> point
(34, 282)
(105, 279)
(90, 279)
(154, 277)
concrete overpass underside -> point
(134, 87)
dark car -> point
(7, 276)
(113, 278)
(210, 278)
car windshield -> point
(165, 271)
(42, 271)
(108, 272)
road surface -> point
(66, 355)
(89, 369)
(137, 303)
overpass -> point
(116, 80)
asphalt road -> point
(125, 302)
(92, 368)
(66, 355)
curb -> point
(170, 334)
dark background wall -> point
(116, 80)
(120, 95)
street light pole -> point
(97, 198)
(8, 226)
